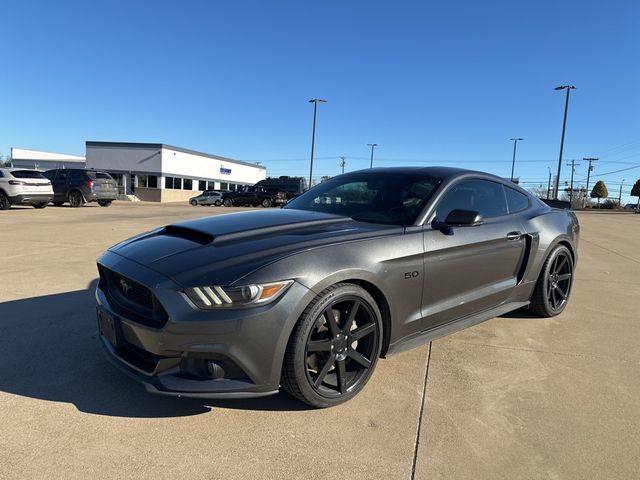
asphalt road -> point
(515, 397)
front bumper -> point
(248, 344)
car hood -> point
(220, 249)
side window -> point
(516, 201)
(483, 196)
(77, 174)
(63, 175)
(48, 174)
(1, 174)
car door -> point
(59, 183)
(469, 269)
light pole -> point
(313, 134)
(342, 163)
(590, 160)
(549, 184)
(620, 194)
(372, 145)
(568, 88)
(513, 162)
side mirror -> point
(460, 218)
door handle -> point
(514, 235)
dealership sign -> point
(225, 171)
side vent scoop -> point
(188, 234)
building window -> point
(211, 185)
(188, 184)
(202, 185)
(147, 181)
(173, 182)
(224, 186)
(233, 186)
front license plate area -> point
(109, 327)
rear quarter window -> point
(26, 174)
(516, 201)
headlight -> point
(247, 295)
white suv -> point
(19, 186)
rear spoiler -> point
(562, 204)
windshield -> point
(394, 198)
(99, 175)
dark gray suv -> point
(78, 186)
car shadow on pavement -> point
(49, 350)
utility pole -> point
(313, 134)
(372, 145)
(549, 184)
(573, 169)
(620, 194)
(568, 88)
(513, 161)
(342, 163)
(584, 204)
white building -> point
(163, 173)
(25, 158)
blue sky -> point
(432, 82)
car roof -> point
(16, 169)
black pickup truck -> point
(254, 196)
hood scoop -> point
(187, 233)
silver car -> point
(208, 197)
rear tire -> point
(75, 199)
(227, 202)
(266, 203)
(40, 205)
(553, 288)
(193, 203)
(4, 202)
(218, 203)
(334, 347)
(105, 203)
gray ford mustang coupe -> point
(308, 297)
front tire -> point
(553, 288)
(227, 202)
(193, 203)
(75, 199)
(266, 203)
(334, 347)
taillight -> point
(89, 183)
(15, 182)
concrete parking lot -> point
(516, 397)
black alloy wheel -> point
(75, 199)
(4, 202)
(334, 348)
(553, 288)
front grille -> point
(131, 299)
